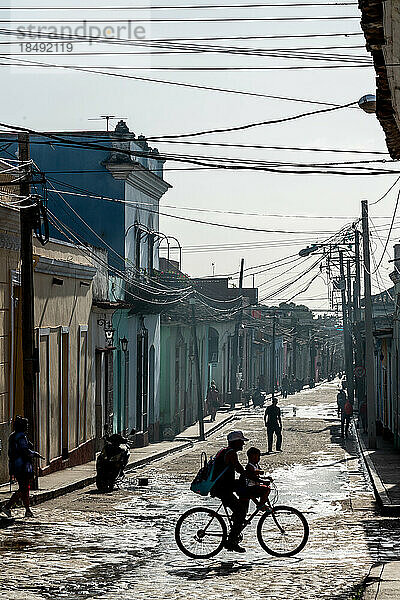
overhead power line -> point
(286, 54)
(251, 125)
(263, 147)
(356, 64)
(189, 219)
(185, 85)
(389, 233)
(386, 193)
(191, 20)
(178, 7)
(128, 41)
(233, 164)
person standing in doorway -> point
(273, 423)
(20, 456)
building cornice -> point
(61, 268)
(374, 15)
(138, 177)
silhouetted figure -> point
(273, 423)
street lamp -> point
(368, 103)
(309, 250)
(124, 344)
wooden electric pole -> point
(273, 359)
(29, 357)
(348, 354)
(369, 337)
(237, 357)
(357, 320)
(350, 380)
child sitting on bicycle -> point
(250, 482)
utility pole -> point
(273, 359)
(348, 354)
(369, 337)
(349, 293)
(236, 355)
(29, 355)
(198, 374)
(241, 273)
(350, 382)
(327, 359)
(357, 318)
(294, 362)
(312, 359)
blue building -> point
(102, 195)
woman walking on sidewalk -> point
(213, 400)
(20, 455)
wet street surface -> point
(121, 545)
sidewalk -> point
(383, 466)
(383, 582)
(62, 482)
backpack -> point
(203, 482)
(348, 409)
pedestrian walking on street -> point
(273, 423)
(341, 401)
(285, 386)
(213, 400)
(345, 418)
(20, 456)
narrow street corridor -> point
(121, 546)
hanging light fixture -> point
(124, 344)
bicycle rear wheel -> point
(200, 533)
(283, 531)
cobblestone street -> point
(121, 546)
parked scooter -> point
(111, 462)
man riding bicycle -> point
(227, 463)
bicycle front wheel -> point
(282, 531)
(200, 533)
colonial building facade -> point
(107, 195)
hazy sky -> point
(57, 99)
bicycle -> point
(201, 532)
